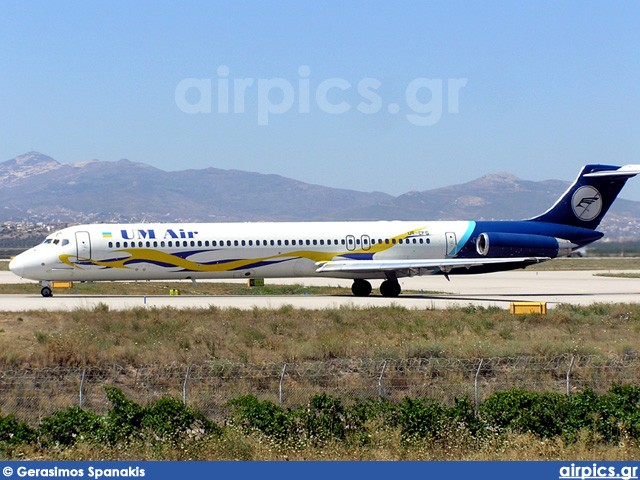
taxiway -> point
(490, 290)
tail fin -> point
(587, 201)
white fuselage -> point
(232, 250)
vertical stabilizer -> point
(587, 201)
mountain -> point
(36, 187)
(481, 199)
(39, 186)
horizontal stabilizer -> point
(627, 170)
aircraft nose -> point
(16, 265)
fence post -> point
(475, 385)
(184, 387)
(569, 372)
(284, 369)
(381, 394)
(84, 375)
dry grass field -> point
(141, 336)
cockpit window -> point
(48, 240)
(65, 242)
(56, 241)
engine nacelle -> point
(522, 245)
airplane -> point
(360, 251)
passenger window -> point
(400, 241)
(148, 244)
(125, 244)
(235, 242)
(193, 243)
(251, 243)
(321, 242)
(199, 243)
(315, 242)
(293, 242)
(228, 243)
(272, 243)
(308, 242)
(393, 241)
(110, 244)
(155, 244)
(279, 242)
(117, 244)
(257, 243)
(244, 244)
(428, 240)
(170, 243)
(286, 242)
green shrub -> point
(71, 425)
(13, 432)
(124, 419)
(323, 419)
(264, 417)
(522, 411)
(420, 418)
(618, 411)
(172, 419)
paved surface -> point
(496, 289)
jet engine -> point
(493, 244)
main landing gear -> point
(388, 288)
(46, 292)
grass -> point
(384, 445)
(163, 288)
(618, 275)
(100, 337)
(586, 263)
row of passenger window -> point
(264, 243)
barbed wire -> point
(33, 393)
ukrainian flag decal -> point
(106, 234)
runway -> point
(489, 290)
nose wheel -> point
(46, 292)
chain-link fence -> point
(33, 394)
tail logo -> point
(586, 203)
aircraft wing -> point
(443, 264)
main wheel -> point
(361, 288)
(46, 292)
(389, 288)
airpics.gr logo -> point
(586, 203)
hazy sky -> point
(388, 96)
